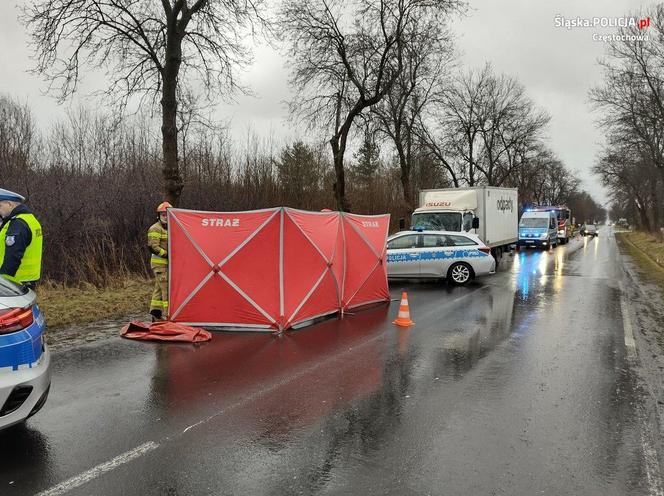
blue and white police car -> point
(458, 257)
(25, 364)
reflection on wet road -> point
(516, 384)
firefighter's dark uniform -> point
(21, 243)
(158, 243)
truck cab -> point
(489, 212)
(445, 220)
(538, 228)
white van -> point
(538, 228)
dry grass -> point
(648, 251)
(64, 306)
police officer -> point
(158, 244)
(21, 241)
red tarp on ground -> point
(273, 268)
(164, 331)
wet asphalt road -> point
(518, 384)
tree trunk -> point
(173, 183)
(645, 223)
(340, 181)
(404, 165)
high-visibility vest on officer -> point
(21, 241)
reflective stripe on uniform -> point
(156, 259)
(159, 305)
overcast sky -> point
(519, 37)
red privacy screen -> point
(273, 268)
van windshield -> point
(437, 221)
(534, 222)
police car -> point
(459, 257)
(25, 371)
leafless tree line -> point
(378, 79)
(631, 106)
(94, 183)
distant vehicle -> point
(622, 223)
(589, 230)
(564, 218)
(538, 228)
(438, 254)
(25, 372)
(488, 212)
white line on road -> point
(630, 344)
(128, 456)
(94, 472)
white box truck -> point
(489, 212)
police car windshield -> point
(10, 289)
(534, 222)
(438, 221)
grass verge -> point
(648, 252)
(65, 306)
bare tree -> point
(148, 48)
(510, 126)
(631, 102)
(484, 127)
(452, 132)
(347, 55)
(632, 182)
(427, 61)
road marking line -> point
(141, 450)
(94, 472)
(630, 344)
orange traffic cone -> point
(403, 319)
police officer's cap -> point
(5, 194)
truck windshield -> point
(534, 222)
(438, 221)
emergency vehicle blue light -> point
(419, 228)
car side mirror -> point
(402, 224)
(476, 222)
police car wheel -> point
(460, 273)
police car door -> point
(433, 257)
(403, 257)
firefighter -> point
(21, 241)
(158, 243)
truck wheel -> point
(460, 273)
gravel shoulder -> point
(645, 296)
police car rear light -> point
(486, 250)
(15, 319)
